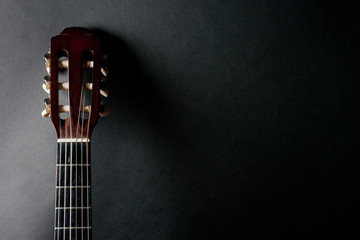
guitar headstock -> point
(76, 83)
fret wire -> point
(73, 165)
(64, 215)
(59, 208)
(73, 186)
(73, 140)
(65, 228)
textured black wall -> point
(229, 119)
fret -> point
(72, 186)
(73, 165)
(72, 227)
(61, 208)
(73, 140)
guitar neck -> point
(72, 195)
(76, 87)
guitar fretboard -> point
(72, 193)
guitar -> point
(76, 87)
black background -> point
(229, 120)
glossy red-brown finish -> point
(74, 41)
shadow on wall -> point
(158, 209)
(182, 185)
(134, 92)
(245, 172)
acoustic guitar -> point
(76, 86)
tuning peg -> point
(46, 89)
(47, 61)
(104, 71)
(47, 102)
(65, 64)
(46, 112)
(104, 92)
(46, 84)
(88, 86)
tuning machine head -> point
(104, 64)
(46, 84)
(103, 111)
(47, 57)
(46, 112)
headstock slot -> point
(63, 80)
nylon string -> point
(82, 175)
(58, 161)
(87, 177)
(77, 161)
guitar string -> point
(58, 182)
(87, 161)
(71, 163)
(87, 177)
(82, 175)
(65, 170)
(87, 169)
(66, 161)
(87, 158)
(71, 168)
(76, 152)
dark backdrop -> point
(229, 119)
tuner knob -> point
(104, 71)
(104, 92)
(46, 112)
(47, 61)
(47, 56)
(46, 84)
